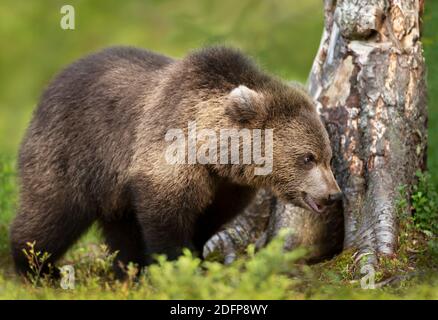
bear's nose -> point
(335, 197)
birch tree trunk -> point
(368, 80)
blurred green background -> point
(282, 35)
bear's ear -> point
(244, 105)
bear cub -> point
(95, 151)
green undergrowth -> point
(269, 273)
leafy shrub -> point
(257, 276)
(37, 261)
(425, 205)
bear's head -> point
(301, 151)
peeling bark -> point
(368, 80)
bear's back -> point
(86, 120)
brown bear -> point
(96, 151)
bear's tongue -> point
(312, 203)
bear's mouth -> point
(312, 203)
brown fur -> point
(94, 152)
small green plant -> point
(93, 264)
(37, 261)
(425, 205)
(418, 221)
(425, 216)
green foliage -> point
(418, 220)
(425, 215)
(257, 276)
(36, 260)
(93, 264)
(425, 205)
(270, 273)
(266, 274)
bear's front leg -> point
(166, 232)
(167, 209)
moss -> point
(339, 269)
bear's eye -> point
(309, 159)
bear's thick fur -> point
(95, 149)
